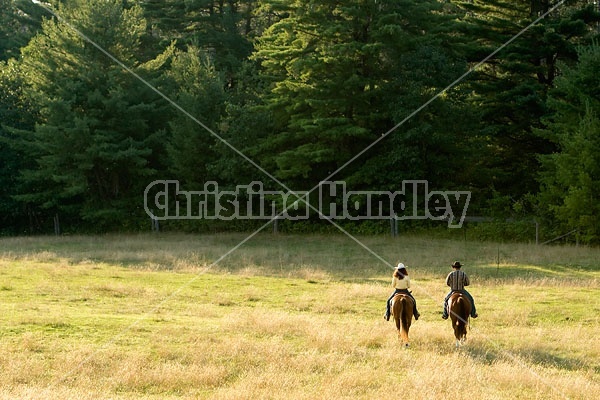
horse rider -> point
(401, 283)
(457, 280)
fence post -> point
(56, 225)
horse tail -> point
(402, 310)
(460, 307)
(398, 319)
(406, 311)
(463, 312)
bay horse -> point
(459, 308)
(402, 311)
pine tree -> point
(15, 113)
(221, 28)
(510, 90)
(570, 178)
(246, 123)
(200, 91)
(100, 130)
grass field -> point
(294, 317)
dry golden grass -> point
(86, 318)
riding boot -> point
(416, 314)
(474, 312)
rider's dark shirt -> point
(457, 280)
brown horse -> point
(402, 311)
(459, 308)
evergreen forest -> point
(99, 98)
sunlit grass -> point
(295, 317)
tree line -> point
(300, 88)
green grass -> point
(296, 317)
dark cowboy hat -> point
(456, 264)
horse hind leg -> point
(399, 328)
(404, 337)
(463, 339)
(460, 341)
(459, 334)
(402, 332)
(401, 337)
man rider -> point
(457, 280)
